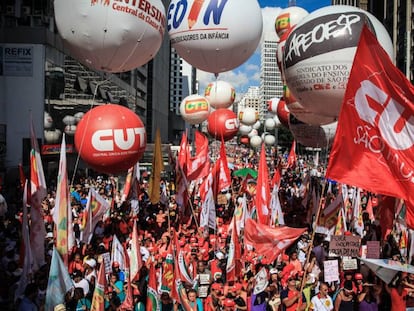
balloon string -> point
(84, 132)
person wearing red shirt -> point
(291, 298)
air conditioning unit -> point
(10, 10)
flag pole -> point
(310, 246)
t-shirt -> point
(321, 304)
(398, 301)
(286, 293)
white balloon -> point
(245, 129)
(195, 109)
(277, 121)
(78, 116)
(69, 120)
(47, 120)
(269, 140)
(215, 37)
(70, 130)
(255, 141)
(248, 116)
(220, 94)
(289, 18)
(319, 53)
(257, 125)
(52, 137)
(252, 133)
(307, 116)
(112, 36)
(272, 104)
(316, 136)
(270, 124)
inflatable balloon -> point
(223, 123)
(47, 120)
(269, 140)
(248, 116)
(257, 125)
(213, 36)
(111, 36)
(270, 124)
(52, 137)
(110, 138)
(78, 116)
(288, 18)
(319, 53)
(69, 120)
(245, 129)
(220, 94)
(252, 133)
(316, 136)
(195, 109)
(70, 129)
(282, 112)
(272, 104)
(255, 141)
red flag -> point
(374, 143)
(199, 165)
(268, 241)
(291, 160)
(234, 265)
(167, 277)
(386, 217)
(222, 172)
(182, 154)
(262, 190)
(152, 296)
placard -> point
(349, 264)
(331, 271)
(204, 278)
(373, 249)
(344, 245)
(203, 291)
(106, 258)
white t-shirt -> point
(321, 304)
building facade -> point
(40, 81)
(271, 85)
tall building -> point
(271, 85)
(47, 84)
(251, 100)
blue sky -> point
(248, 74)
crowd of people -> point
(294, 281)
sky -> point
(248, 74)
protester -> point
(322, 301)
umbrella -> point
(386, 269)
(244, 172)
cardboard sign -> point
(349, 264)
(344, 245)
(331, 271)
(373, 249)
(106, 258)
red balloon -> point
(245, 140)
(223, 123)
(110, 138)
(283, 112)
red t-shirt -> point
(398, 301)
